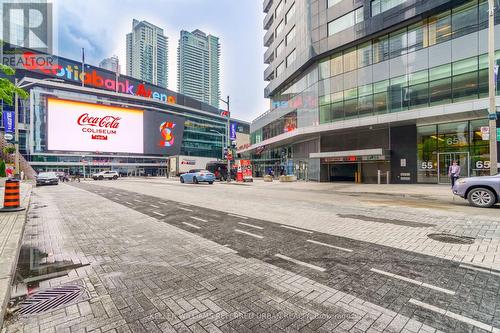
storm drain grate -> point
(50, 299)
(451, 239)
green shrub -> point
(2, 169)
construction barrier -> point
(12, 196)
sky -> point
(100, 26)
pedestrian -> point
(22, 175)
(454, 172)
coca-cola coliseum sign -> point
(77, 126)
(86, 127)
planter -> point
(288, 179)
(268, 178)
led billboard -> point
(87, 127)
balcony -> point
(269, 73)
(269, 38)
(267, 5)
(268, 20)
(269, 55)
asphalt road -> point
(438, 292)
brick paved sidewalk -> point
(145, 275)
(11, 231)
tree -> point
(2, 169)
(7, 88)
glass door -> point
(445, 160)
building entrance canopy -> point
(377, 154)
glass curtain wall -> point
(455, 82)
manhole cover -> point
(451, 239)
(50, 299)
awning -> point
(365, 155)
(347, 153)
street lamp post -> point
(492, 89)
(228, 143)
(16, 118)
(222, 141)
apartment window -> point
(337, 64)
(279, 29)
(439, 28)
(290, 59)
(380, 49)
(280, 69)
(380, 6)
(346, 21)
(333, 2)
(290, 13)
(464, 19)
(350, 59)
(365, 54)
(290, 36)
(280, 49)
(279, 8)
(398, 43)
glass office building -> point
(392, 87)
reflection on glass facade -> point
(438, 145)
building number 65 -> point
(483, 164)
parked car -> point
(219, 169)
(481, 191)
(47, 178)
(105, 175)
(198, 176)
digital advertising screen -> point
(80, 126)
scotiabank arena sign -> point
(77, 126)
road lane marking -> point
(297, 229)
(456, 316)
(248, 233)
(298, 262)
(479, 269)
(154, 206)
(251, 225)
(128, 203)
(159, 214)
(241, 217)
(163, 203)
(191, 225)
(328, 245)
(186, 209)
(137, 200)
(419, 283)
(198, 219)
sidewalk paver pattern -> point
(157, 266)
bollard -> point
(11, 197)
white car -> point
(105, 175)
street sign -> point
(8, 136)
(485, 132)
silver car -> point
(481, 192)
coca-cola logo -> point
(103, 122)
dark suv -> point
(219, 169)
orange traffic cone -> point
(11, 197)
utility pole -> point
(228, 140)
(492, 89)
(16, 133)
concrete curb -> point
(14, 242)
